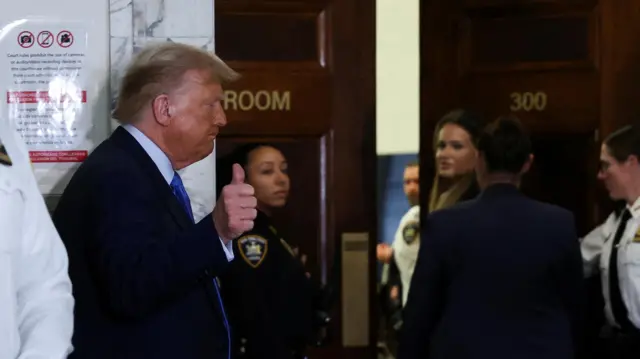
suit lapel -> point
(123, 139)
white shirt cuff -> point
(228, 249)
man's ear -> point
(162, 110)
(527, 165)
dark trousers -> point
(621, 344)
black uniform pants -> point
(622, 344)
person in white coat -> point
(36, 303)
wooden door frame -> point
(438, 45)
(351, 174)
(433, 54)
(347, 146)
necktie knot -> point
(181, 194)
(176, 182)
(625, 217)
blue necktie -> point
(183, 197)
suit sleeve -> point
(572, 282)
(141, 266)
(426, 297)
(591, 246)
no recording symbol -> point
(25, 39)
(45, 39)
(65, 38)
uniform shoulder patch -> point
(411, 232)
(253, 249)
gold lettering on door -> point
(261, 100)
(528, 101)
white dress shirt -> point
(36, 304)
(596, 250)
(405, 248)
(166, 169)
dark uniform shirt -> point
(267, 296)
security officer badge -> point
(411, 232)
(636, 238)
(253, 249)
(4, 156)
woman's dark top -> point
(268, 297)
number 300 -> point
(528, 101)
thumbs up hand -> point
(236, 207)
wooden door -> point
(561, 66)
(308, 87)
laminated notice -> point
(48, 93)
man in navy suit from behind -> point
(143, 273)
(499, 276)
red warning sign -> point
(45, 39)
(44, 97)
(58, 156)
(65, 38)
(25, 39)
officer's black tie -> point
(619, 309)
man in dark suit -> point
(499, 276)
(143, 273)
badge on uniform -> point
(253, 249)
(4, 156)
(411, 232)
(636, 238)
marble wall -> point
(136, 23)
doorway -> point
(308, 86)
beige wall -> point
(397, 76)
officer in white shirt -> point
(36, 304)
(404, 249)
(613, 248)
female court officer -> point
(614, 246)
(267, 293)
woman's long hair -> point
(444, 194)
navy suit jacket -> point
(141, 269)
(497, 277)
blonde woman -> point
(455, 139)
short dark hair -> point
(505, 145)
(413, 163)
(623, 143)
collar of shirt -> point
(157, 156)
(635, 209)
